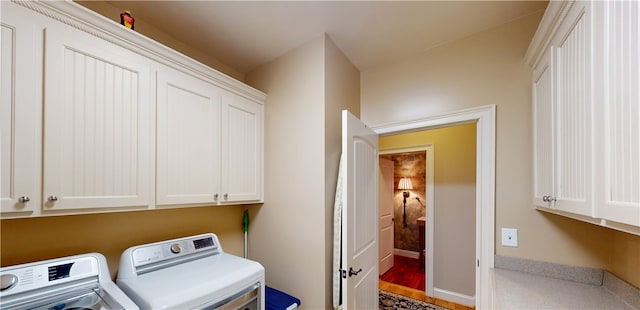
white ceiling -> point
(246, 34)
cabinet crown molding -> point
(83, 19)
(556, 11)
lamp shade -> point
(405, 183)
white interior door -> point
(359, 215)
(385, 204)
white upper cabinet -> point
(98, 118)
(98, 148)
(242, 145)
(572, 112)
(209, 143)
(586, 63)
(562, 103)
(543, 159)
(20, 112)
(618, 143)
(188, 140)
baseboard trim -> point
(623, 290)
(406, 253)
(454, 297)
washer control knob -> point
(176, 248)
(8, 281)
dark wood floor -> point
(406, 272)
(407, 278)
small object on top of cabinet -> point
(127, 20)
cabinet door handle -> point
(226, 196)
(24, 199)
(215, 196)
(53, 198)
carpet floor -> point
(391, 301)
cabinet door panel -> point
(573, 113)
(242, 145)
(188, 140)
(97, 149)
(620, 199)
(543, 131)
(20, 110)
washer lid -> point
(193, 283)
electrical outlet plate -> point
(510, 237)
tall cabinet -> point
(585, 61)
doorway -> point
(405, 253)
(484, 118)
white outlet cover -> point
(510, 237)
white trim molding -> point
(455, 297)
(556, 11)
(406, 253)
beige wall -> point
(113, 13)
(287, 233)
(291, 233)
(342, 91)
(28, 240)
(488, 68)
(624, 258)
(454, 202)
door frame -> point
(485, 118)
(429, 205)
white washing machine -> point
(190, 273)
(73, 282)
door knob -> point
(354, 273)
(53, 198)
(24, 199)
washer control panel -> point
(36, 276)
(170, 249)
